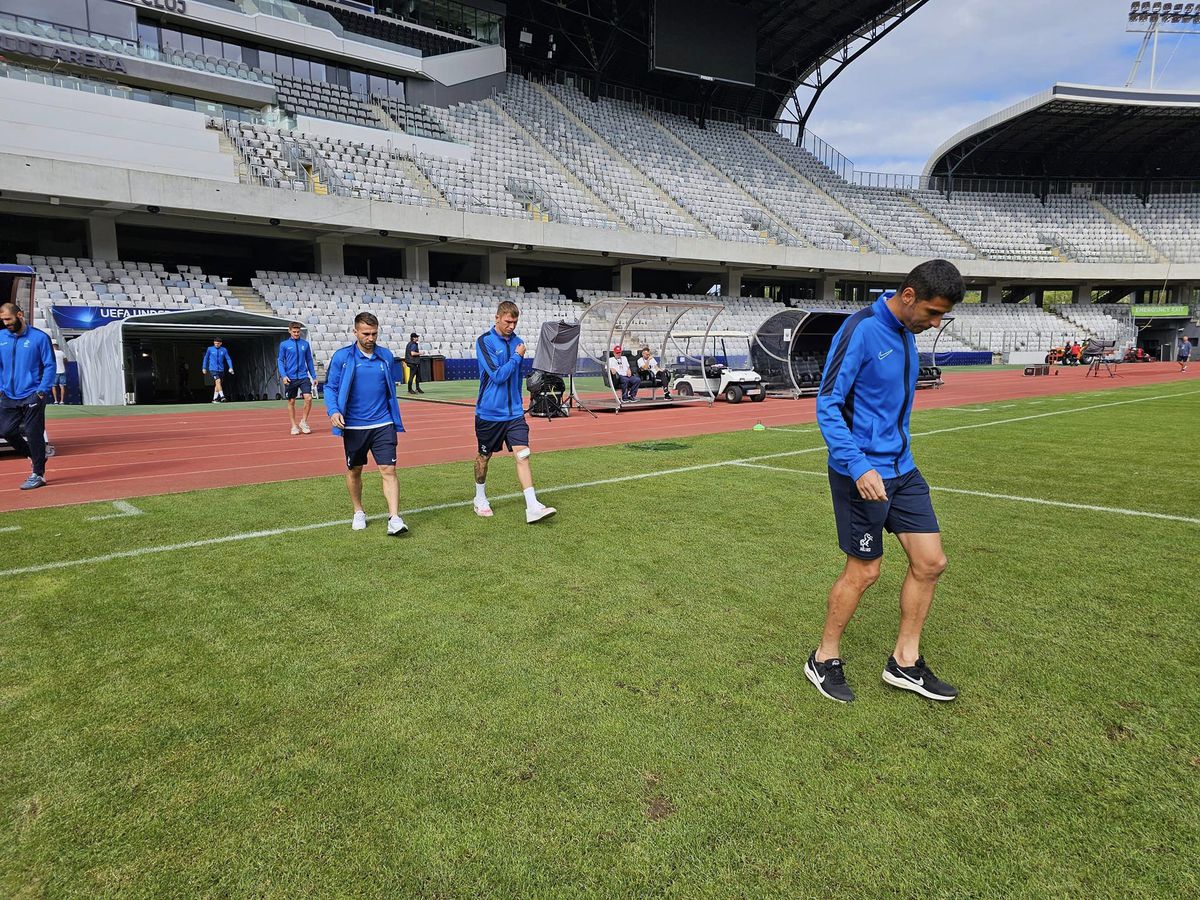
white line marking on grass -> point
(1116, 510)
(970, 408)
(10, 528)
(791, 430)
(274, 532)
(123, 508)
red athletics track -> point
(117, 457)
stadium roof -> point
(798, 40)
(1080, 131)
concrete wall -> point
(44, 123)
(431, 93)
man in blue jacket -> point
(360, 397)
(216, 363)
(26, 378)
(499, 414)
(863, 410)
(296, 368)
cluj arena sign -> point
(73, 55)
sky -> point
(956, 61)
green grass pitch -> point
(612, 704)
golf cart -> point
(731, 379)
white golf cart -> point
(706, 374)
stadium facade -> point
(261, 142)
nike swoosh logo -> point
(919, 682)
(885, 354)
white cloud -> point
(956, 61)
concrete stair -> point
(1134, 235)
(609, 212)
(942, 226)
(624, 161)
(747, 197)
(427, 188)
(827, 198)
(241, 168)
(251, 300)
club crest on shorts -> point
(865, 544)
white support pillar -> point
(993, 294)
(495, 267)
(827, 287)
(416, 263)
(731, 283)
(1082, 293)
(330, 255)
(622, 279)
(102, 237)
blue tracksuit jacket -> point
(295, 359)
(499, 377)
(361, 388)
(26, 363)
(866, 396)
(216, 361)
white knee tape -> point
(523, 453)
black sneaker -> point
(829, 678)
(919, 679)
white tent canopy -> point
(104, 358)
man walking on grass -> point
(360, 396)
(26, 377)
(499, 416)
(299, 374)
(863, 411)
(216, 364)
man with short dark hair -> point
(26, 377)
(360, 397)
(59, 392)
(215, 365)
(863, 410)
(1185, 352)
(499, 415)
(650, 372)
(412, 358)
(299, 374)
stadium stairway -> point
(427, 188)
(251, 300)
(1134, 235)
(768, 215)
(616, 154)
(941, 226)
(241, 169)
(385, 118)
(831, 201)
(567, 174)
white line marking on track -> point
(274, 532)
(124, 509)
(1116, 510)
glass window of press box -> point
(270, 60)
(448, 16)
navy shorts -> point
(493, 436)
(381, 442)
(296, 386)
(860, 523)
(1183, 358)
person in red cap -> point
(622, 376)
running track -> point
(118, 457)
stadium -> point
(214, 681)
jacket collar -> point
(885, 315)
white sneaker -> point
(295, 430)
(360, 521)
(483, 510)
(396, 526)
(304, 429)
(538, 513)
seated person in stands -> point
(650, 372)
(622, 377)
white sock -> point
(531, 500)
(481, 495)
